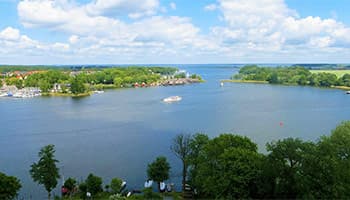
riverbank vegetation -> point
(225, 167)
(67, 82)
(294, 76)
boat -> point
(221, 84)
(172, 99)
(99, 91)
(162, 187)
(347, 92)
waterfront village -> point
(66, 82)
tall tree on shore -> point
(77, 86)
(45, 172)
(159, 170)
(9, 187)
(182, 149)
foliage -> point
(149, 194)
(14, 81)
(9, 187)
(45, 172)
(287, 158)
(227, 167)
(197, 144)
(70, 184)
(182, 149)
(116, 185)
(83, 189)
(116, 197)
(93, 184)
(180, 75)
(158, 170)
(77, 86)
(292, 76)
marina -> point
(13, 92)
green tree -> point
(286, 158)
(116, 185)
(159, 170)
(333, 169)
(70, 184)
(94, 184)
(197, 144)
(83, 190)
(45, 172)
(44, 85)
(118, 81)
(9, 187)
(77, 86)
(182, 149)
(228, 168)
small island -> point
(24, 81)
(294, 75)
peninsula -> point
(24, 81)
(294, 75)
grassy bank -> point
(341, 87)
(338, 73)
(51, 94)
(245, 81)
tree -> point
(9, 187)
(45, 172)
(44, 85)
(333, 173)
(159, 170)
(94, 184)
(228, 167)
(70, 184)
(197, 144)
(286, 158)
(116, 185)
(77, 86)
(182, 149)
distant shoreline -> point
(345, 88)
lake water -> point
(116, 134)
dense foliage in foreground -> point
(230, 166)
(291, 76)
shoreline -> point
(344, 88)
(244, 81)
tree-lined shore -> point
(294, 75)
(69, 82)
(225, 167)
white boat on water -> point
(99, 91)
(172, 99)
(347, 92)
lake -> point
(117, 133)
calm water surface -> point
(116, 134)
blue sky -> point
(174, 31)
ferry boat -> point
(172, 99)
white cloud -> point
(134, 8)
(172, 6)
(253, 30)
(210, 7)
(9, 33)
(270, 24)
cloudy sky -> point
(174, 31)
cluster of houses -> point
(19, 74)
